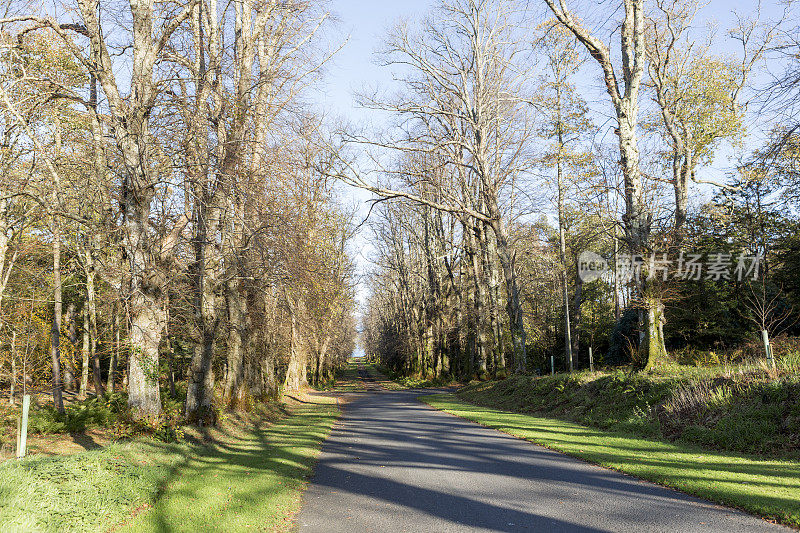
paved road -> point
(395, 464)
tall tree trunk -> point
(147, 324)
(562, 241)
(115, 351)
(200, 392)
(171, 367)
(681, 174)
(513, 304)
(129, 117)
(617, 296)
(4, 246)
(6, 263)
(72, 334)
(84, 389)
(637, 225)
(467, 312)
(481, 301)
(94, 243)
(321, 356)
(55, 331)
(625, 100)
(170, 352)
(13, 366)
(490, 262)
(429, 344)
(237, 326)
(567, 321)
(147, 316)
(296, 372)
(91, 302)
(261, 358)
(576, 304)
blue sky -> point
(364, 23)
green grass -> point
(247, 479)
(348, 379)
(82, 491)
(412, 382)
(770, 488)
(741, 411)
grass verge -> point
(770, 488)
(348, 378)
(742, 410)
(248, 478)
(410, 382)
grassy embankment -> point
(246, 475)
(731, 436)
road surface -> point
(395, 464)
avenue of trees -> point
(166, 223)
(527, 134)
(172, 217)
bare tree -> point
(624, 96)
(467, 102)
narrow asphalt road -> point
(395, 464)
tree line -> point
(166, 220)
(503, 169)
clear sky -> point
(364, 24)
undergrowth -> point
(108, 412)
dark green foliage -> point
(101, 412)
(409, 382)
(624, 338)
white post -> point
(13, 366)
(23, 433)
(767, 348)
(591, 360)
(552, 365)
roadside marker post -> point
(591, 360)
(767, 348)
(552, 365)
(22, 439)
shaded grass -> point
(251, 482)
(412, 382)
(83, 491)
(348, 378)
(770, 488)
(378, 376)
(249, 478)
